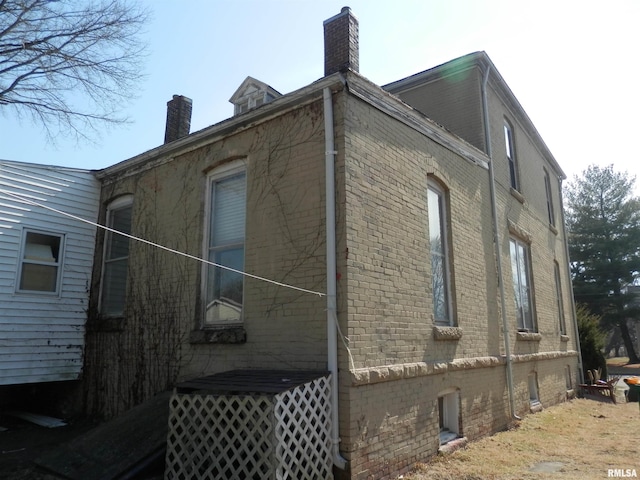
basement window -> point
(567, 374)
(449, 416)
(40, 262)
(534, 397)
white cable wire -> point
(345, 341)
(162, 247)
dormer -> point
(251, 94)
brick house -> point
(453, 296)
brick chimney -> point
(341, 50)
(178, 118)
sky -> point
(571, 64)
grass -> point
(587, 437)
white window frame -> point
(220, 174)
(522, 284)
(41, 260)
(120, 203)
(510, 152)
(437, 193)
(449, 415)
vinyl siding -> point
(42, 335)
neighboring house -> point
(431, 206)
(45, 270)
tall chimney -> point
(341, 50)
(178, 118)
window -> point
(511, 156)
(225, 246)
(440, 264)
(560, 304)
(547, 189)
(116, 257)
(449, 416)
(520, 269)
(567, 376)
(40, 262)
(534, 398)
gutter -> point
(332, 317)
(496, 239)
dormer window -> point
(252, 94)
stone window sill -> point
(528, 336)
(564, 338)
(235, 334)
(517, 195)
(553, 229)
(447, 333)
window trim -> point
(534, 389)
(445, 235)
(510, 153)
(549, 196)
(449, 415)
(58, 264)
(220, 173)
(526, 250)
(119, 203)
(559, 300)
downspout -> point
(332, 317)
(573, 301)
(496, 238)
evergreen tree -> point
(591, 341)
(603, 218)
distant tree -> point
(603, 219)
(592, 340)
(69, 65)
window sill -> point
(528, 336)
(535, 406)
(447, 333)
(517, 195)
(553, 229)
(452, 445)
(235, 334)
(564, 338)
(107, 324)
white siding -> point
(42, 335)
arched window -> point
(115, 264)
(439, 252)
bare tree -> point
(68, 64)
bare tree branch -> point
(69, 65)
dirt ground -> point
(23, 442)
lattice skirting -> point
(285, 436)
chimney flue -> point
(341, 51)
(178, 118)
